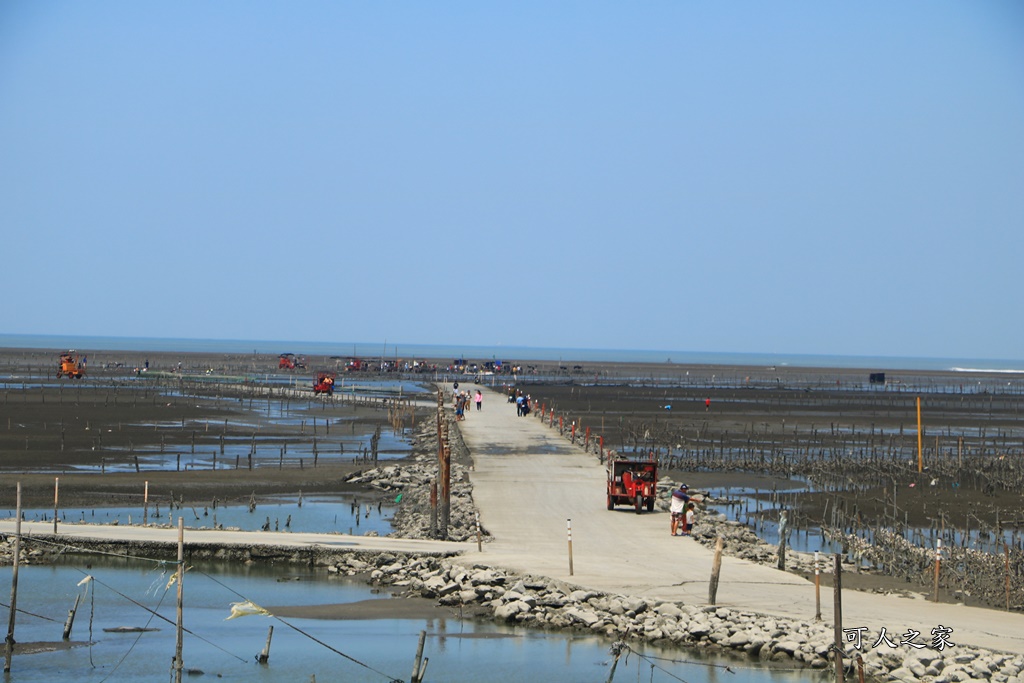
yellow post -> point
(920, 437)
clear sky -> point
(798, 177)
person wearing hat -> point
(680, 498)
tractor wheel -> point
(639, 502)
(611, 504)
(650, 504)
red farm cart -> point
(324, 383)
(632, 482)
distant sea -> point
(503, 353)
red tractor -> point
(288, 361)
(632, 482)
(324, 383)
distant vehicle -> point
(324, 383)
(71, 366)
(632, 482)
(288, 361)
(355, 365)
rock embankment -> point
(549, 604)
(414, 479)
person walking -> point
(677, 508)
(479, 399)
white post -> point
(568, 524)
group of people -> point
(522, 402)
(462, 402)
(682, 510)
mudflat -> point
(204, 427)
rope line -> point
(37, 616)
(137, 638)
(301, 632)
(654, 666)
(160, 616)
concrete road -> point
(528, 481)
(68, 533)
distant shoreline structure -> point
(505, 353)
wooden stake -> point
(181, 576)
(14, 583)
(837, 588)
(479, 540)
(56, 490)
(71, 618)
(264, 656)
(782, 540)
(817, 587)
(716, 570)
(433, 509)
(938, 561)
(419, 658)
(1006, 553)
(920, 439)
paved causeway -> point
(528, 481)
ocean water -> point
(504, 353)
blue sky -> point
(802, 177)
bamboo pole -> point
(56, 497)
